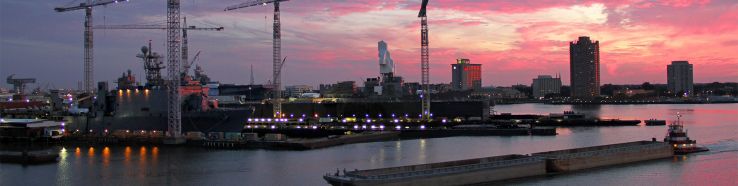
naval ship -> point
(132, 107)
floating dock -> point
(490, 169)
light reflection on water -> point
(714, 126)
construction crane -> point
(88, 58)
(277, 49)
(424, 62)
(188, 65)
(164, 27)
(174, 101)
(19, 85)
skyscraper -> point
(680, 78)
(545, 84)
(465, 76)
(584, 61)
(386, 64)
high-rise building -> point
(465, 76)
(546, 84)
(386, 64)
(679, 77)
(584, 62)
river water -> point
(712, 125)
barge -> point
(462, 172)
(498, 168)
(605, 155)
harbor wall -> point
(606, 155)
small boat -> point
(655, 122)
(677, 137)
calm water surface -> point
(715, 126)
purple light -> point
(422, 127)
(398, 127)
(315, 127)
(274, 127)
(356, 127)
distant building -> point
(372, 87)
(295, 91)
(342, 89)
(680, 78)
(465, 76)
(248, 92)
(584, 61)
(507, 93)
(632, 92)
(411, 88)
(386, 64)
(544, 85)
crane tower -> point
(424, 62)
(88, 58)
(277, 61)
(174, 108)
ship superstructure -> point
(135, 107)
(677, 137)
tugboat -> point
(677, 137)
(655, 122)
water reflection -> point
(77, 152)
(142, 156)
(91, 152)
(421, 152)
(127, 154)
(106, 156)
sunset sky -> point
(332, 40)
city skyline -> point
(516, 41)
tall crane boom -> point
(424, 62)
(88, 36)
(154, 27)
(174, 108)
(276, 53)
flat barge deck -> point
(491, 169)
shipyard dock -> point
(498, 168)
